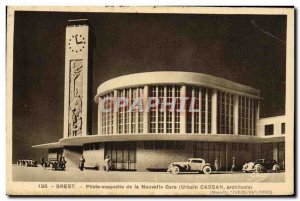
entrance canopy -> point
(80, 140)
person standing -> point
(216, 165)
(43, 162)
(233, 164)
(81, 164)
(107, 163)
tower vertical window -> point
(282, 128)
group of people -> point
(61, 162)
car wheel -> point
(175, 170)
(206, 170)
(276, 168)
(258, 169)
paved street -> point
(39, 174)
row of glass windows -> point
(91, 146)
(107, 117)
(247, 116)
(269, 129)
(128, 121)
(161, 116)
(164, 119)
(198, 119)
(164, 145)
(225, 115)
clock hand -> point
(77, 40)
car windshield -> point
(260, 161)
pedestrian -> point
(81, 164)
(63, 163)
(107, 163)
(233, 164)
(216, 165)
(42, 161)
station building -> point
(224, 124)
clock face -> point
(76, 43)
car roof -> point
(196, 159)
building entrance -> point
(210, 152)
(122, 154)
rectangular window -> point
(121, 113)
(169, 110)
(234, 146)
(189, 114)
(161, 110)
(282, 128)
(225, 113)
(141, 114)
(107, 116)
(247, 116)
(159, 145)
(149, 145)
(196, 108)
(97, 146)
(177, 107)
(126, 130)
(180, 145)
(209, 94)
(134, 110)
(203, 109)
(269, 129)
(153, 110)
(170, 145)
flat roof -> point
(176, 78)
(79, 141)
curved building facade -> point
(148, 120)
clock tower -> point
(78, 76)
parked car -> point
(193, 164)
(55, 164)
(261, 165)
(27, 163)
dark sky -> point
(244, 48)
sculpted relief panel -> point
(75, 101)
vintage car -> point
(193, 165)
(261, 165)
(27, 163)
(55, 164)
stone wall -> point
(95, 157)
(72, 156)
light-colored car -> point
(193, 165)
(261, 165)
(27, 163)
